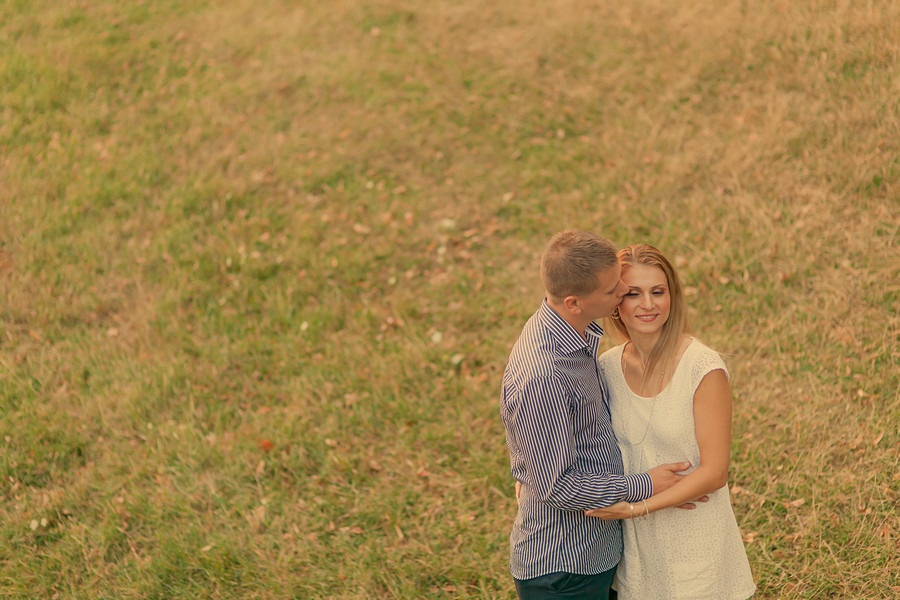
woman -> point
(670, 400)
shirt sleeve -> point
(544, 430)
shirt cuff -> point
(638, 487)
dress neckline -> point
(665, 388)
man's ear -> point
(572, 304)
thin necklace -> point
(640, 392)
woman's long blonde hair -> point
(665, 351)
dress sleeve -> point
(704, 361)
(606, 362)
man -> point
(558, 431)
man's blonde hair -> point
(571, 262)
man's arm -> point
(544, 431)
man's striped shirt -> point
(561, 447)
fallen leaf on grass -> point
(354, 530)
(795, 503)
(257, 518)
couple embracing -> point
(621, 461)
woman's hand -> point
(619, 510)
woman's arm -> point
(712, 426)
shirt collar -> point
(567, 339)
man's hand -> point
(665, 476)
(692, 505)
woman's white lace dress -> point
(674, 553)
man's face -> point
(604, 300)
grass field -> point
(262, 263)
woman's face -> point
(645, 308)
